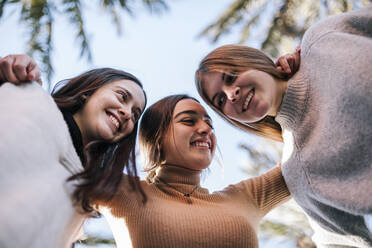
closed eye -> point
(189, 122)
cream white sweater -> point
(36, 158)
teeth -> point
(248, 100)
(115, 121)
(201, 144)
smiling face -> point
(248, 97)
(190, 141)
(111, 112)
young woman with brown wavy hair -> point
(178, 143)
(60, 154)
(323, 113)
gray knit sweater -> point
(326, 115)
(36, 158)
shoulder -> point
(357, 22)
(9, 90)
(29, 100)
(30, 114)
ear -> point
(84, 97)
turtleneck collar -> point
(293, 106)
(75, 133)
(181, 175)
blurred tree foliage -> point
(94, 241)
(39, 16)
(281, 22)
(286, 222)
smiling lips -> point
(114, 120)
(200, 143)
(248, 100)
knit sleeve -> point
(266, 191)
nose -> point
(204, 129)
(232, 92)
(125, 112)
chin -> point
(203, 164)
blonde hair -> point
(234, 60)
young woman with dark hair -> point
(106, 156)
(323, 113)
(46, 163)
(177, 140)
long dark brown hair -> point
(234, 60)
(103, 162)
(153, 128)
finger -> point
(291, 62)
(284, 63)
(297, 60)
(279, 68)
(39, 81)
(6, 65)
(33, 72)
(19, 67)
(277, 62)
(298, 49)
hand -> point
(290, 63)
(19, 68)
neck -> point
(282, 87)
(176, 174)
(181, 167)
(78, 121)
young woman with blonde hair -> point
(323, 113)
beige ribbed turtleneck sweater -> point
(226, 218)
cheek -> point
(214, 142)
(128, 130)
(229, 111)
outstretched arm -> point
(19, 68)
(267, 190)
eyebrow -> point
(126, 91)
(191, 112)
